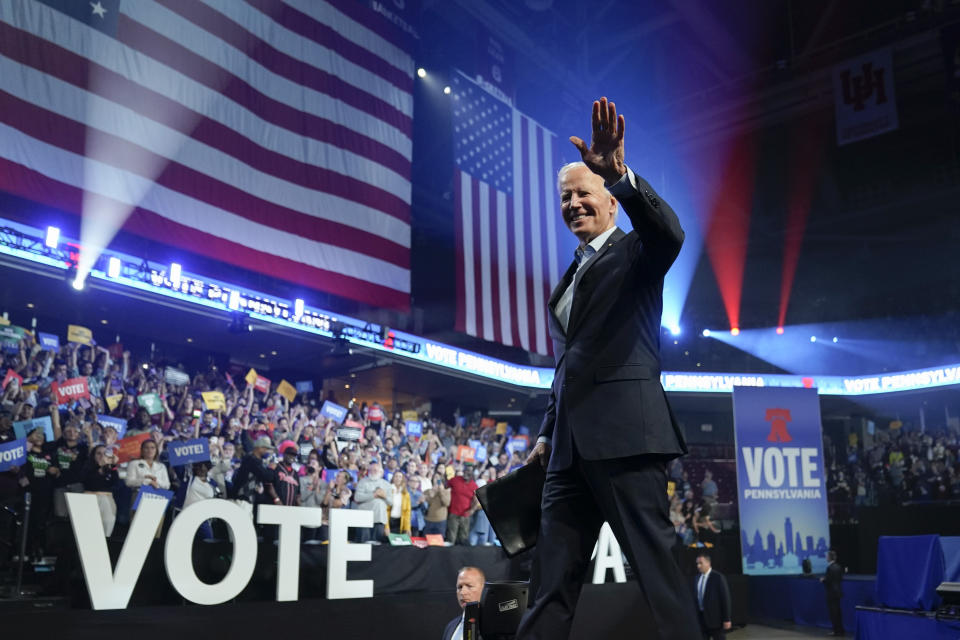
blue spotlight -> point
(77, 284)
(53, 237)
(706, 333)
(675, 330)
(813, 338)
(835, 340)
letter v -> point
(112, 590)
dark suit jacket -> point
(451, 627)
(606, 395)
(716, 599)
(833, 580)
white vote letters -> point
(111, 589)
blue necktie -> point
(583, 253)
(703, 580)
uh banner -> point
(780, 480)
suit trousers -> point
(836, 614)
(631, 494)
(711, 634)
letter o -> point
(178, 557)
(773, 467)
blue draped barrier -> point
(803, 600)
(909, 568)
(951, 557)
(899, 625)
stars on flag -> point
(98, 9)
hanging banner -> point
(864, 97)
(781, 482)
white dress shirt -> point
(702, 587)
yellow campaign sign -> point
(251, 376)
(214, 400)
(409, 414)
(114, 401)
(287, 390)
(501, 428)
(76, 333)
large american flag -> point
(275, 135)
(507, 220)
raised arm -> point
(653, 219)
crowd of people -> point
(895, 466)
(692, 505)
(264, 448)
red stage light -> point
(807, 145)
(729, 224)
(735, 331)
(779, 331)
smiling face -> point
(588, 208)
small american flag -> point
(507, 219)
(271, 134)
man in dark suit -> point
(470, 581)
(833, 581)
(608, 431)
(713, 599)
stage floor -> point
(762, 632)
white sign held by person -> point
(864, 97)
(111, 588)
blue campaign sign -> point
(414, 428)
(23, 428)
(479, 450)
(189, 451)
(117, 423)
(13, 454)
(49, 342)
(780, 480)
(304, 386)
(518, 444)
(333, 411)
(149, 493)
